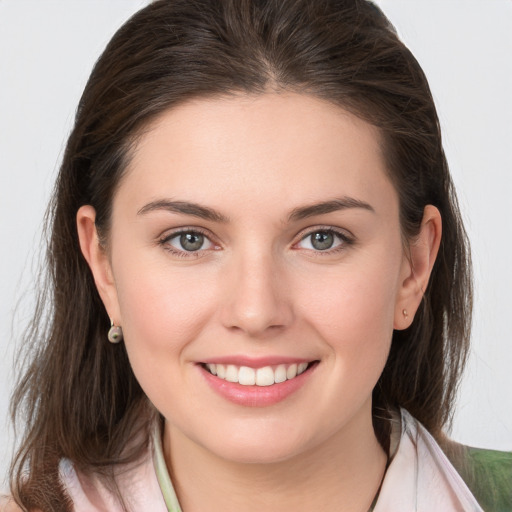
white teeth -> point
(291, 372)
(231, 373)
(247, 376)
(280, 374)
(301, 368)
(221, 371)
(265, 376)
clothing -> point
(488, 474)
(419, 478)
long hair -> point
(77, 396)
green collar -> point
(164, 480)
(162, 475)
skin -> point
(259, 288)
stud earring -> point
(115, 333)
(404, 312)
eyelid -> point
(169, 233)
(166, 236)
(346, 237)
(342, 232)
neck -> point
(343, 472)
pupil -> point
(191, 241)
(322, 240)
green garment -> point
(487, 473)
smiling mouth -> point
(265, 376)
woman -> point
(255, 206)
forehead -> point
(287, 145)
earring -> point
(404, 312)
(115, 333)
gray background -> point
(47, 49)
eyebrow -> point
(332, 205)
(183, 207)
(303, 212)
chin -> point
(257, 454)
(260, 448)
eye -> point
(187, 241)
(323, 240)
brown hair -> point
(77, 396)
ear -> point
(97, 257)
(417, 267)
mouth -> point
(253, 383)
(261, 377)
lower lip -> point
(256, 396)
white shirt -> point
(419, 478)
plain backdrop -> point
(47, 49)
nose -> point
(257, 300)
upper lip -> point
(256, 362)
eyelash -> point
(345, 241)
(164, 242)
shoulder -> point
(487, 473)
(134, 483)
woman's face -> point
(258, 235)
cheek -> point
(352, 309)
(162, 311)
(358, 297)
(162, 314)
